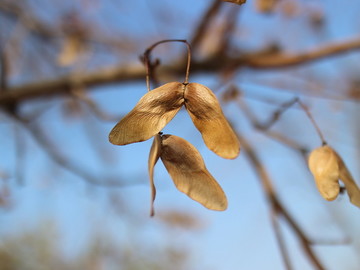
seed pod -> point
(206, 114)
(155, 109)
(150, 115)
(187, 169)
(328, 168)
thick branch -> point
(127, 73)
(66, 84)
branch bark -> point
(284, 60)
(258, 60)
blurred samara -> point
(159, 106)
(328, 168)
(187, 169)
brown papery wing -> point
(187, 169)
(150, 115)
(206, 114)
(352, 188)
(153, 158)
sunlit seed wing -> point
(153, 158)
(150, 115)
(187, 169)
(205, 111)
(323, 164)
(351, 187)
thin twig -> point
(280, 240)
(81, 94)
(264, 128)
(288, 142)
(316, 126)
(20, 155)
(53, 153)
(50, 148)
(276, 115)
(148, 65)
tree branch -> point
(64, 85)
(208, 16)
(275, 203)
(257, 60)
(281, 240)
(283, 60)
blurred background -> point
(71, 69)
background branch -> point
(276, 204)
(131, 73)
(50, 148)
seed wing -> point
(150, 115)
(187, 169)
(206, 114)
(352, 188)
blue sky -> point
(239, 238)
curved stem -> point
(148, 65)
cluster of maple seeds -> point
(183, 161)
(327, 168)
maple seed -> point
(328, 168)
(187, 169)
(149, 116)
(159, 106)
(206, 114)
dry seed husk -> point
(156, 108)
(150, 115)
(206, 114)
(328, 167)
(187, 169)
